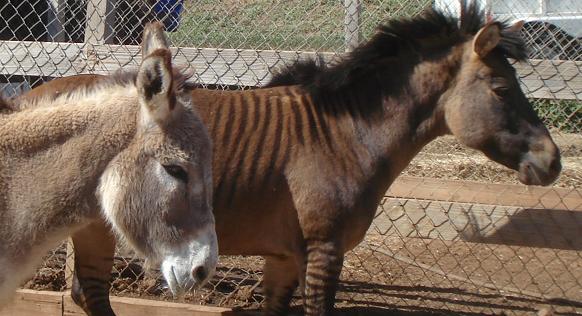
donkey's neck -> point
(52, 157)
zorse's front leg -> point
(324, 265)
(94, 251)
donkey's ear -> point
(486, 39)
(155, 86)
(153, 38)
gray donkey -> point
(132, 147)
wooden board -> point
(213, 66)
(127, 306)
(551, 79)
(34, 303)
(46, 303)
(244, 67)
(487, 193)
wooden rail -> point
(244, 67)
(46, 303)
(486, 193)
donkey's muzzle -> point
(193, 264)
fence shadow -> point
(433, 300)
(540, 228)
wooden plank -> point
(213, 66)
(245, 67)
(551, 79)
(507, 225)
(34, 303)
(487, 193)
(100, 21)
(352, 24)
(138, 307)
(41, 58)
(47, 303)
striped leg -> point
(94, 249)
(280, 282)
(324, 265)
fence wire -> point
(421, 254)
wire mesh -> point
(420, 254)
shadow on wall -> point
(540, 228)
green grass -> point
(280, 25)
(566, 115)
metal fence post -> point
(69, 264)
(352, 24)
(100, 21)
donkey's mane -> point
(376, 63)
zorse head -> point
(488, 111)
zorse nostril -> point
(199, 274)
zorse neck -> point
(414, 116)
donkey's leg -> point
(94, 250)
(280, 281)
(324, 265)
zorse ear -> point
(486, 39)
(153, 38)
(155, 86)
(516, 27)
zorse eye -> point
(499, 86)
(177, 172)
(501, 90)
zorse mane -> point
(6, 105)
(375, 63)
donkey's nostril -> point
(199, 273)
(556, 165)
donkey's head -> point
(488, 111)
(157, 193)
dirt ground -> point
(390, 276)
(445, 158)
(396, 275)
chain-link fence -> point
(455, 234)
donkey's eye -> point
(177, 172)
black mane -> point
(396, 40)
